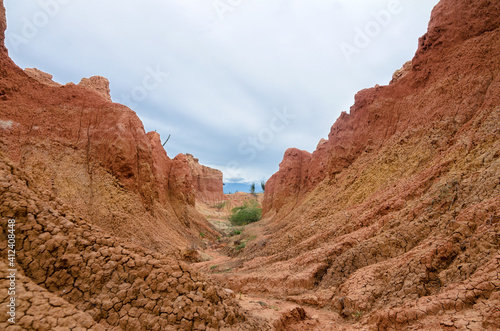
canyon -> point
(392, 223)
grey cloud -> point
(225, 77)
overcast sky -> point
(235, 82)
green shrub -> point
(235, 232)
(240, 247)
(246, 214)
(236, 209)
(220, 205)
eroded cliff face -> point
(394, 220)
(98, 84)
(71, 274)
(42, 77)
(192, 182)
(451, 77)
(392, 223)
(96, 156)
(207, 182)
(100, 215)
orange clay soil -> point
(393, 223)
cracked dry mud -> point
(74, 274)
(393, 223)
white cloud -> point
(225, 77)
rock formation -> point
(101, 216)
(71, 274)
(393, 222)
(195, 182)
(41, 76)
(382, 112)
(207, 182)
(98, 84)
(96, 156)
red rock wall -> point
(402, 228)
(207, 182)
(71, 274)
(69, 160)
(181, 180)
(96, 155)
(41, 76)
(437, 86)
(192, 181)
(98, 84)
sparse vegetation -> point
(220, 205)
(357, 315)
(448, 193)
(253, 237)
(252, 188)
(235, 232)
(246, 214)
(263, 185)
(223, 271)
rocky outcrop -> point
(41, 76)
(299, 172)
(98, 84)
(394, 220)
(181, 180)
(101, 214)
(400, 73)
(426, 92)
(207, 182)
(190, 181)
(96, 156)
(71, 274)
